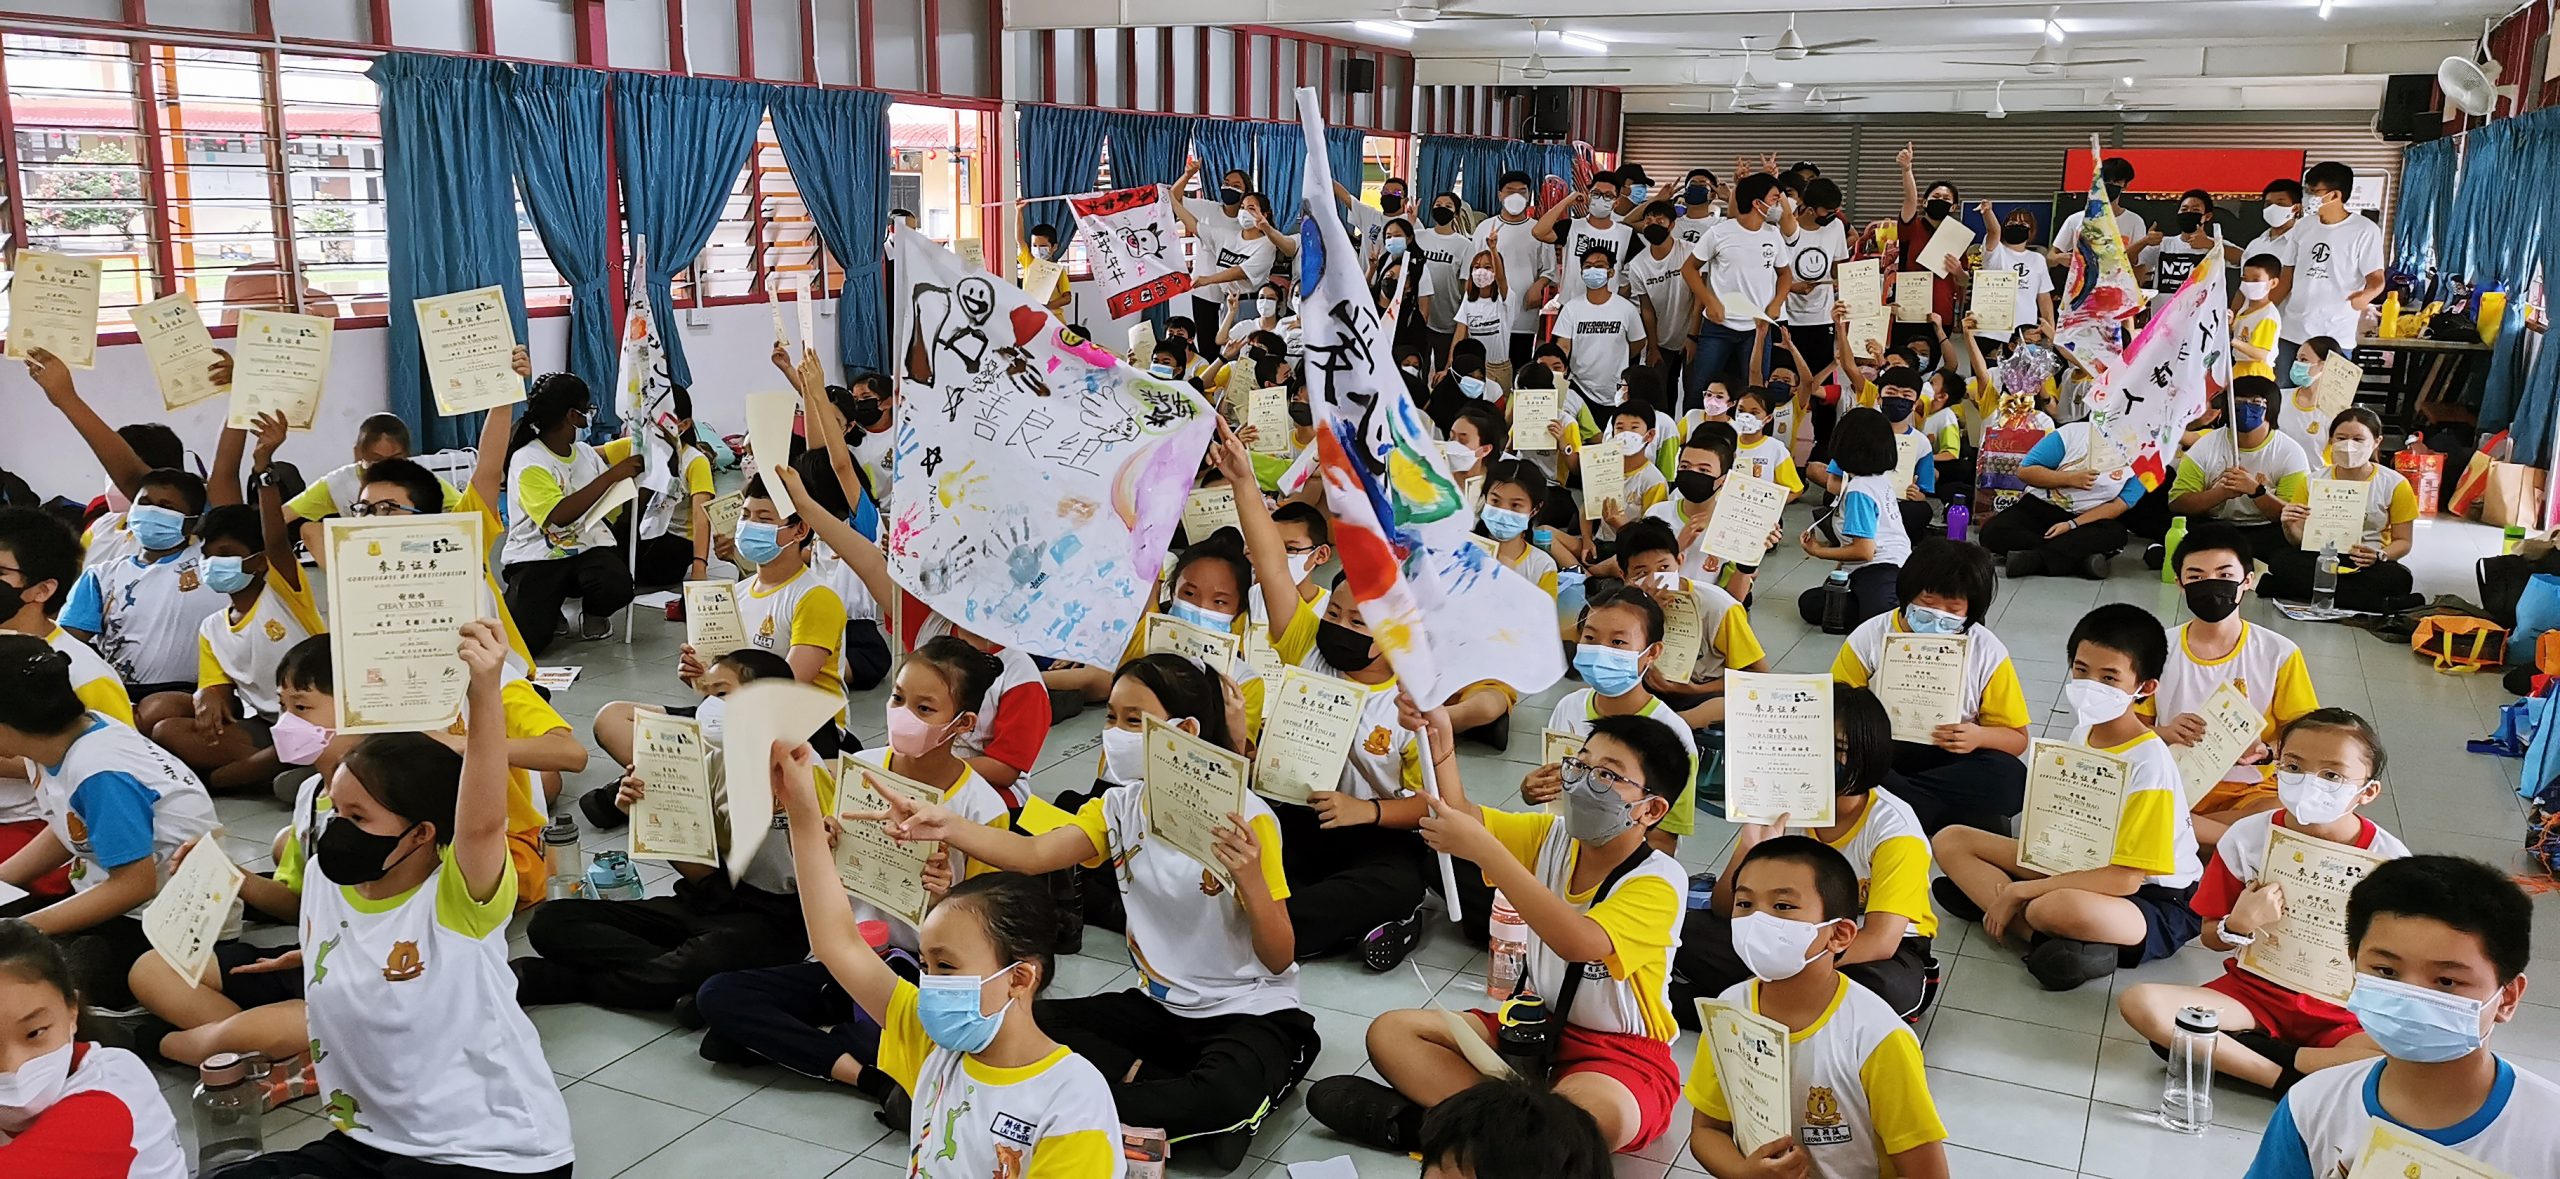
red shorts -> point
(52, 885)
(2305, 1021)
(1641, 1063)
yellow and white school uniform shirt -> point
(1535, 563)
(1861, 1094)
(2153, 835)
(970, 798)
(2258, 329)
(116, 798)
(144, 613)
(1730, 641)
(1768, 458)
(1574, 714)
(419, 1045)
(2388, 502)
(1050, 1119)
(1645, 487)
(537, 480)
(672, 515)
(1243, 625)
(345, 485)
(1386, 759)
(2267, 668)
(2279, 462)
(1188, 934)
(1890, 850)
(1628, 994)
(803, 611)
(245, 654)
(1990, 682)
(92, 680)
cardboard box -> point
(2514, 496)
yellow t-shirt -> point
(1861, 1094)
(1050, 1119)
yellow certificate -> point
(1311, 721)
(1754, 1059)
(1861, 285)
(53, 305)
(1040, 279)
(1604, 478)
(2075, 798)
(873, 867)
(470, 346)
(1908, 450)
(2395, 1153)
(1214, 648)
(1192, 786)
(1785, 768)
(1953, 236)
(281, 366)
(1555, 746)
(673, 819)
(1267, 411)
(1683, 630)
(1208, 510)
(2337, 514)
(1531, 411)
(400, 588)
(2335, 389)
(2305, 949)
(725, 510)
(1913, 296)
(1920, 679)
(1142, 344)
(769, 428)
(1995, 301)
(187, 916)
(711, 623)
(2231, 725)
(1746, 511)
(1867, 332)
(179, 348)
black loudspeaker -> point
(1550, 113)
(1359, 76)
(2408, 114)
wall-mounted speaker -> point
(2408, 114)
(1359, 75)
(1550, 113)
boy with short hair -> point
(2218, 647)
(2242, 473)
(2257, 327)
(1650, 556)
(2085, 925)
(2440, 946)
(140, 610)
(1510, 1130)
(1795, 905)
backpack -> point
(2456, 644)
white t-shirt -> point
(2328, 264)
(2128, 223)
(247, 653)
(1580, 235)
(1188, 934)
(1691, 226)
(1813, 254)
(1605, 336)
(2320, 1127)
(1218, 231)
(1488, 321)
(1859, 1089)
(2035, 277)
(1053, 1116)
(1525, 260)
(1658, 280)
(2154, 770)
(1443, 254)
(145, 612)
(117, 798)
(1741, 266)
(1575, 712)
(1385, 760)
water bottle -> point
(613, 877)
(1835, 603)
(229, 1107)
(1524, 1036)
(1959, 521)
(2169, 543)
(2186, 1101)
(1510, 950)
(2324, 577)
(567, 877)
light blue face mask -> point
(1594, 278)
(1472, 387)
(223, 575)
(158, 528)
(1503, 523)
(1160, 370)
(2415, 1024)
(759, 542)
(947, 1005)
(1610, 671)
(1925, 621)
(1395, 245)
(1182, 611)
(2301, 373)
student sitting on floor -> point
(1703, 460)
(1649, 555)
(1621, 638)
(2070, 520)
(1757, 450)
(76, 1109)
(1602, 907)
(1511, 1130)
(2085, 925)
(553, 479)
(2330, 764)
(1863, 532)
(2440, 946)
(1215, 1033)
(1887, 850)
(141, 610)
(1969, 772)
(2371, 576)
(2215, 648)
(43, 561)
(1861, 1103)
(1631, 436)
(2243, 473)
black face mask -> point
(2188, 222)
(1697, 196)
(12, 598)
(353, 855)
(1391, 202)
(1895, 409)
(867, 411)
(1697, 487)
(1938, 208)
(1302, 414)
(1657, 234)
(1443, 214)
(1229, 196)
(2212, 601)
(1842, 785)
(2016, 235)
(1343, 648)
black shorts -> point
(2168, 922)
(257, 989)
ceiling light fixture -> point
(1382, 28)
(2128, 80)
(1419, 13)
(1583, 42)
(1786, 85)
(2325, 6)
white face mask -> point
(1775, 948)
(2096, 703)
(2256, 288)
(1747, 423)
(1461, 457)
(2314, 799)
(1299, 563)
(1248, 219)
(1483, 276)
(2277, 216)
(712, 715)
(1630, 442)
(1124, 756)
(34, 1088)
(2350, 455)
(1515, 204)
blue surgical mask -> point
(1925, 621)
(1160, 369)
(223, 575)
(1696, 196)
(1503, 523)
(1472, 387)
(1182, 611)
(759, 542)
(2249, 415)
(1895, 409)
(2301, 373)
(1594, 278)
(1637, 192)
(1395, 245)
(947, 1005)
(157, 528)
(1610, 671)
(2414, 1023)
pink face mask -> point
(298, 741)
(117, 501)
(912, 736)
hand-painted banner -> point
(2103, 293)
(1129, 243)
(2181, 359)
(1039, 477)
(644, 388)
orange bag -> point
(2459, 644)
(2546, 653)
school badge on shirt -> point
(1823, 1125)
(275, 631)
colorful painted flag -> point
(645, 390)
(2103, 292)
(2165, 378)
(1129, 237)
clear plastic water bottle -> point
(1509, 951)
(1835, 603)
(614, 878)
(2186, 1100)
(567, 877)
(2324, 578)
(229, 1108)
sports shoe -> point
(720, 1049)
(595, 628)
(2093, 567)
(289, 1080)
(1933, 978)
(2024, 563)
(2061, 963)
(1365, 1112)
(1386, 946)
(597, 806)
(2154, 557)
(688, 1013)
(1953, 900)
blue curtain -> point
(450, 188)
(1435, 167)
(1061, 154)
(1149, 149)
(2426, 199)
(1486, 161)
(836, 143)
(1343, 152)
(2541, 384)
(556, 120)
(680, 143)
(1284, 171)
(1222, 144)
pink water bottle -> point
(1959, 519)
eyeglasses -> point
(1577, 771)
(381, 507)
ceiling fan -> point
(1791, 47)
(1536, 67)
(1811, 98)
(1423, 12)
(2050, 59)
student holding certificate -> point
(2072, 519)
(551, 553)
(2085, 925)
(2330, 766)
(384, 436)
(1864, 532)
(2371, 576)
(1649, 555)
(1217, 1000)
(2440, 945)
(1885, 848)
(1969, 772)
(1639, 485)
(1621, 640)
(1704, 459)
(2217, 647)
(1796, 910)
(675, 533)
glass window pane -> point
(218, 161)
(79, 153)
(333, 184)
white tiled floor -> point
(2030, 1084)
